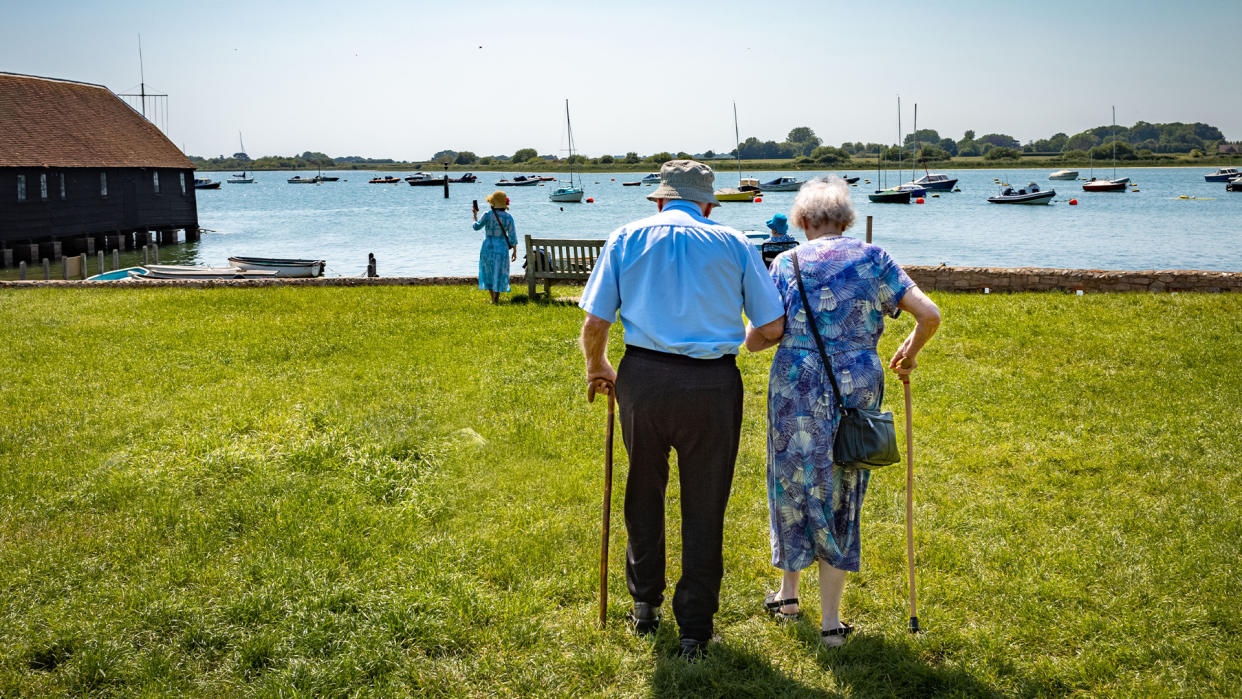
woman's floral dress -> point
(494, 255)
(814, 505)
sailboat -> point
(1113, 185)
(572, 193)
(929, 180)
(747, 188)
(243, 178)
(890, 195)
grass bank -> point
(395, 490)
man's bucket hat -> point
(685, 179)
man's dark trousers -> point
(670, 401)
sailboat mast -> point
(737, 143)
(569, 130)
(1114, 141)
(899, 143)
(914, 160)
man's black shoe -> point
(692, 650)
(645, 619)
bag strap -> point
(819, 341)
(499, 222)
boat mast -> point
(899, 143)
(914, 159)
(569, 129)
(737, 144)
(1114, 141)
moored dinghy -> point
(1031, 194)
(1064, 175)
(196, 272)
(284, 267)
(781, 184)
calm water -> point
(414, 231)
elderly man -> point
(680, 283)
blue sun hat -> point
(779, 225)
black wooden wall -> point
(131, 203)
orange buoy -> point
(590, 200)
(758, 200)
(1073, 202)
(919, 200)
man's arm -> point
(765, 336)
(594, 341)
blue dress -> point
(494, 255)
(815, 506)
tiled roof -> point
(46, 122)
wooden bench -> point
(559, 259)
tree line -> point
(803, 146)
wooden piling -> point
(155, 252)
(64, 268)
(146, 255)
(21, 270)
(101, 262)
(868, 229)
(47, 270)
(6, 258)
(116, 258)
(446, 196)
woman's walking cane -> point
(605, 386)
(914, 614)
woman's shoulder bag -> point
(865, 438)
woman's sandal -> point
(773, 607)
(833, 638)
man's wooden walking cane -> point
(914, 614)
(605, 386)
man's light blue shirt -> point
(681, 282)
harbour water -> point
(415, 231)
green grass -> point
(377, 491)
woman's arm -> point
(765, 336)
(479, 223)
(512, 228)
(926, 321)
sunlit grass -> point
(388, 490)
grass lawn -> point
(353, 491)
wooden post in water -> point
(101, 263)
(868, 229)
(155, 252)
(47, 270)
(21, 270)
(446, 196)
(116, 258)
(82, 266)
(146, 255)
(64, 268)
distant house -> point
(79, 168)
(1227, 149)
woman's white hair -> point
(823, 201)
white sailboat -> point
(242, 178)
(571, 193)
(747, 187)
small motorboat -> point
(384, 180)
(241, 178)
(653, 178)
(467, 178)
(935, 180)
(298, 179)
(915, 190)
(422, 179)
(196, 272)
(735, 194)
(631, 184)
(1031, 194)
(327, 178)
(1064, 175)
(541, 178)
(1224, 174)
(781, 184)
(205, 183)
(284, 267)
(1094, 185)
(848, 179)
(118, 275)
(519, 181)
(1234, 185)
(889, 196)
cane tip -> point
(914, 624)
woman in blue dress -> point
(499, 245)
(815, 505)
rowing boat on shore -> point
(283, 266)
(194, 272)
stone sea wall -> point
(941, 278)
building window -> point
(103, 184)
(62, 187)
(43, 186)
(21, 188)
(184, 177)
(155, 179)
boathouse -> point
(80, 170)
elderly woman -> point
(815, 504)
(501, 237)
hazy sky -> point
(405, 79)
